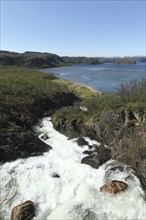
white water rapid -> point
(76, 193)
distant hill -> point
(45, 60)
(30, 59)
(124, 61)
(81, 60)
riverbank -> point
(61, 187)
(28, 95)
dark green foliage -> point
(129, 97)
(81, 60)
(124, 61)
(23, 93)
(135, 91)
(30, 59)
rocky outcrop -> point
(30, 59)
(81, 141)
(20, 141)
(123, 131)
(110, 127)
(24, 211)
(97, 157)
(65, 99)
(113, 187)
(21, 145)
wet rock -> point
(21, 145)
(123, 131)
(97, 157)
(113, 187)
(87, 152)
(92, 160)
(105, 153)
(55, 175)
(81, 141)
(24, 211)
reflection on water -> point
(103, 77)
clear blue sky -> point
(90, 28)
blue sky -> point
(86, 28)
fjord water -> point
(62, 188)
(103, 77)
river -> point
(102, 77)
(62, 188)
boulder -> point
(24, 211)
(55, 175)
(93, 160)
(113, 187)
(97, 157)
(81, 141)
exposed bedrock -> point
(97, 157)
(21, 141)
(123, 132)
(21, 145)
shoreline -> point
(88, 87)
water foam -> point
(76, 193)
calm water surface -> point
(103, 77)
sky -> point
(74, 28)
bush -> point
(135, 91)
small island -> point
(124, 61)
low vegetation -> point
(129, 97)
(24, 91)
(135, 91)
(25, 94)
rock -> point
(113, 187)
(21, 145)
(24, 211)
(97, 157)
(87, 152)
(81, 141)
(104, 153)
(65, 99)
(55, 175)
(117, 129)
(92, 160)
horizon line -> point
(91, 56)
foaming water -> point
(63, 188)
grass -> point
(25, 91)
(78, 89)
